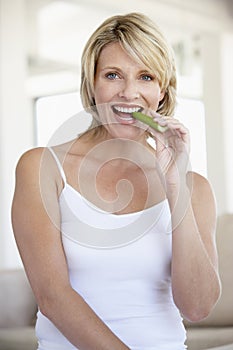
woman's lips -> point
(124, 114)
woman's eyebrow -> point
(111, 67)
(146, 71)
(141, 71)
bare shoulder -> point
(34, 161)
(27, 168)
(37, 170)
(36, 187)
(30, 159)
(200, 188)
(203, 201)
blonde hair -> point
(141, 39)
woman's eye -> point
(112, 76)
(146, 77)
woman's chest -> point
(116, 187)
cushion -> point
(223, 347)
(17, 303)
(20, 338)
(209, 337)
(222, 314)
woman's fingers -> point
(176, 136)
(175, 127)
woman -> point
(118, 237)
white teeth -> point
(126, 119)
(127, 110)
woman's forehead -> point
(114, 53)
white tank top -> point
(121, 266)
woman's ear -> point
(162, 94)
(162, 100)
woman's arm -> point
(195, 280)
(36, 221)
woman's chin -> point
(126, 131)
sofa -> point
(18, 307)
(217, 329)
(17, 311)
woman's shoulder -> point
(197, 180)
(30, 158)
(34, 161)
(36, 154)
(200, 187)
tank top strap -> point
(58, 164)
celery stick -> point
(149, 121)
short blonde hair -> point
(143, 41)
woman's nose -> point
(129, 89)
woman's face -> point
(122, 86)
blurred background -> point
(41, 42)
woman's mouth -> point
(124, 114)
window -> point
(59, 118)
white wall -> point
(212, 21)
(227, 110)
(218, 87)
(212, 94)
(16, 119)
